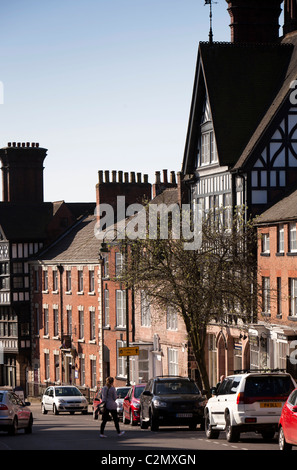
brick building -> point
(27, 224)
(272, 338)
(240, 146)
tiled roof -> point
(77, 245)
(284, 210)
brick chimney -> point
(254, 21)
(134, 187)
(163, 183)
(22, 172)
(290, 16)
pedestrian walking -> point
(109, 396)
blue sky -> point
(102, 84)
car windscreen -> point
(138, 391)
(176, 387)
(122, 392)
(268, 386)
(67, 392)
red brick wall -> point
(277, 265)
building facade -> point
(240, 147)
(27, 224)
(273, 338)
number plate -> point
(271, 405)
(184, 415)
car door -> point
(218, 402)
(146, 399)
(290, 418)
(48, 398)
(126, 404)
(19, 410)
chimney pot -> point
(100, 176)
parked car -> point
(287, 436)
(171, 401)
(96, 401)
(248, 402)
(131, 404)
(121, 394)
(14, 413)
(63, 398)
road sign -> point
(129, 351)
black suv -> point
(171, 401)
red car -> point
(131, 404)
(287, 436)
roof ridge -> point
(246, 44)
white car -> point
(63, 398)
(14, 413)
(247, 402)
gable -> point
(240, 82)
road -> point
(80, 432)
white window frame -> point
(265, 243)
(172, 356)
(121, 308)
(292, 238)
(280, 238)
(145, 309)
(293, 297)
(171, 318)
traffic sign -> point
(129, 351)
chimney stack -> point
(254, 21)
(290, 16)
(22, 172)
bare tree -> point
(213, 282)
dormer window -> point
(208, 148)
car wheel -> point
(28, 429)
(283, 445)
(232, 434)
(132, 422)
(209, 431)
(43, 410)
(13, 429)
(125, 420)
(143, 424)
(154, 423)
(55, 411)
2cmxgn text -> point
(150, 459)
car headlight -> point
(136, 405)
(159, 403)
(60, 400)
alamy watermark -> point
(156, 221)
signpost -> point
(129, 351)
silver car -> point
(63, 398)
(14, 413)
(122, 392)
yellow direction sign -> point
(129, 351)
